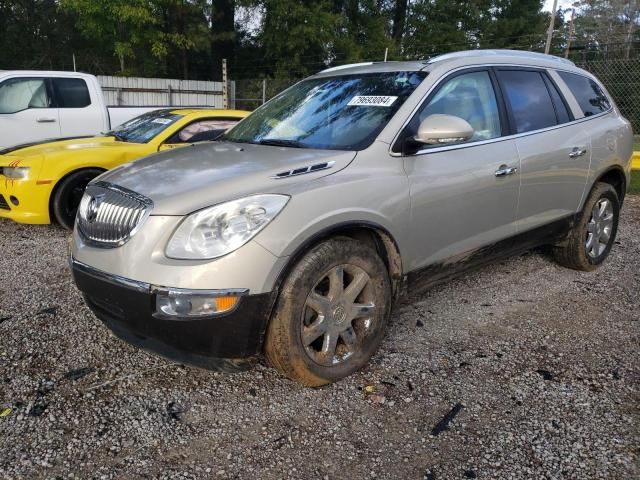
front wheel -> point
(331, 313)
(68, 194)
(592, 237)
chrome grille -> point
(110, 215)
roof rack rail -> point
(349, 65)
(499, 52)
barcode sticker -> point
(162, 121)
(372, 101)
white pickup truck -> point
(38, 105)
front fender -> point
(338, 201)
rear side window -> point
(71, 92)
(17, 94)
(529, 99)
(588, 93)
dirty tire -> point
(68, 194)
(285, 347)
(573, 253)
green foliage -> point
(288, 38)
(135, 29)
(634, 186)
(297, 33)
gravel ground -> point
(520, 370)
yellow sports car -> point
(45, 181)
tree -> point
(34, 33)
(297, 37)
(223, 30)
(518, 24)
(607, 28)
(134, 30)
(399, 19)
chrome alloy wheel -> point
(338, 315)
(599, 228)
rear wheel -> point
(592, 237)
(68, 194)
(331, 313)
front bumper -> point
(33, 207)
(228, 342)
(32, 193)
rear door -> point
(27, 113)
(80, 112)
(554, 151)
(463, 196)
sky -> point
(548, 4)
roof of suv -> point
(466, 57)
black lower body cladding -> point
(229, 342)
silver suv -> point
(295, 233)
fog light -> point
(14, 200)
(186, 304)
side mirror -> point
(438, 129)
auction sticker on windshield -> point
(372, 101)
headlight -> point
(15, 173)
(222, 229)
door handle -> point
(503, 171)
(45, 120)
(577, 152)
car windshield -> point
(144, 128)
(336, 113)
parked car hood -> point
(65, 145)
(184, 180)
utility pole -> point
(225, 85)
(571, 33)
(552, 22)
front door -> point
(463, 196)
(26, 112)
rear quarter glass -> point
(589, 95)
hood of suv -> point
(184, 180)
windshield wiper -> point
(282, 143)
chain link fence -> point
(620, 77)
(251, 93)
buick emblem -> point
(93, 207)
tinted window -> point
(72, 92)
(469, 96)
(336, 113)
(589, 95)
(529, 98)
(201, 126)
(562, 112)
(19, 94)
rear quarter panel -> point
(611, 144)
